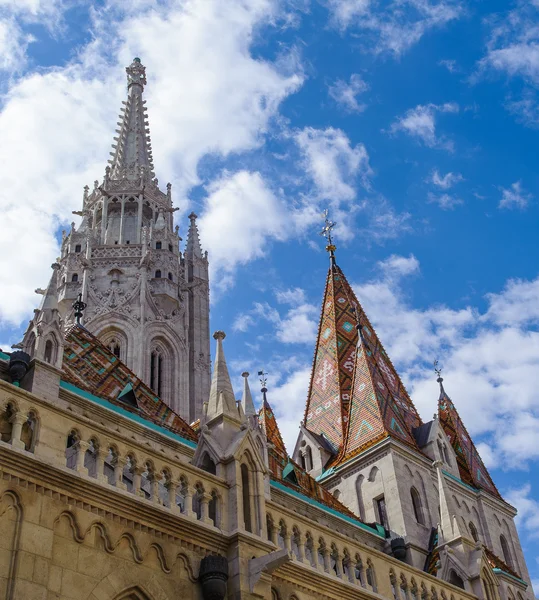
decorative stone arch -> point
(512, 549)
(373, 474)
(248, 474)
(111, 328)
(30, 344)
(11, 516)
(359, 493)
(134, 593)
(51, 349)
(176, 378)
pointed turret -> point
(471, 468)
(193, 248)
(132, 150)
(268, 424)
(222, 401)
(44, 337)
(247, 399)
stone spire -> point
(222, 401)
(193, 248)
(247, 399)
(471, 468)
(132, 150)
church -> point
(130, 471)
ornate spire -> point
(449, 525)
(247, 399)
(268, 424)
(193, 248)
(354, 416)
(132, 149)
(222, 400)
(471, 468)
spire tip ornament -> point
(326, 232)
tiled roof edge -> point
(325, 508)
(129, 415)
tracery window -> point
(156, 371)
(74, 277)
(505, 550)
(473, 531)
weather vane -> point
(78, 307)
(326, 232)
(263, 376)
(438, 370)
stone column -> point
(137, 472)
(288, 541)
(301, 550)
(189, 502)
(154, 489)
(119, 473)
(327, 560)
(338, 566)
(121, 238)
(204, 506)
(104, 216)
(81, 453)
(172, 487)
(100, 456)
(17, 421)
(139, 219)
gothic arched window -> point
(170, 276)
(156, 371)
(158, 274)
(505, 551)
(49, 350)
(246, 497)
(158, 245)
(308, 459)
(115, 347)
(74, 278)
(473, 531)
(416, 503)
(78, 248)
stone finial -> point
(193, 216)
(136, 73)
(219, 335)
(247, 399)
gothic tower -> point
(146, 301)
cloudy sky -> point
(415, 121)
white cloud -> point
(445, 181)
(219, 100)
(288, 403)
(398, 266)
(444, 201)
(398, 26)
(420, 123)
(299, 325)
(345, 94)
(527, 519)
(333, 163)
(242, 323)
(14, 39)
(290, 296)
(450, 65)
(515, 197)
(241, 215)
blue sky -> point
(414, 121)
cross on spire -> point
(326, 232)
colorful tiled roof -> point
(287, 472)
(471, 468)
(90, 366)
(356, 397)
